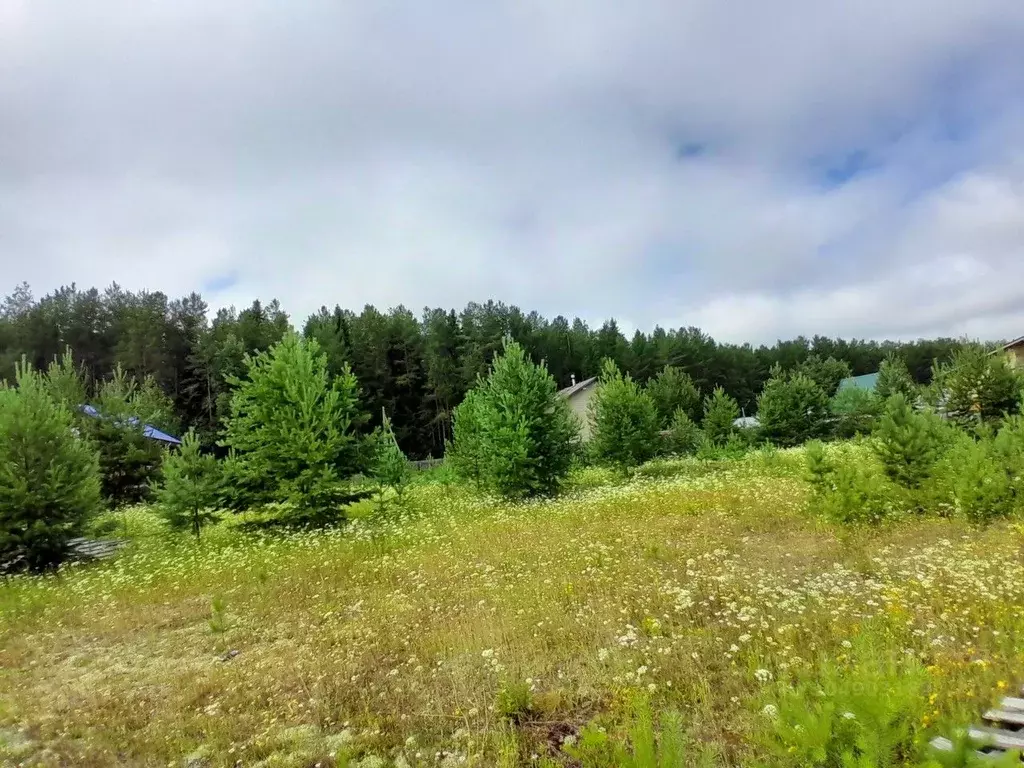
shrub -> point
(894, 379)
(49, 476)
(671, 390)
(189, 487)
(292, 427)
(855, 410)
(513, 433)
(624, 420)
(792, 410)
(981, 479)
(735, 447)
(847, 489)
(908, 443)
(720, 413)
(684, 437)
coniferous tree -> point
(514, 431)
(685, 437)
(907, 443)
(855, 411)
(390, 466)
(720, 414)
(895, 379)
(671, 390)
(65, 382)
(49, 475)
(189, 488)
(624, 420)
(792, 410)
(980, 387)
(293, 429)
(116, 422)
(825, 372)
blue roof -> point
(148, 430)
(868, 381)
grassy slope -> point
(396, 638)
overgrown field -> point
(467, 632)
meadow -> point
(459, 630)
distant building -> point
(868, 381)
(1014, 352)
(148, 430)
(579, 396)
(747, 422)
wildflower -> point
(763, 675)
(849, 716)
(602, 654)
(770, 711)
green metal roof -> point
(868, 381)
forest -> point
(416, 369)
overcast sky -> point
(758, 169)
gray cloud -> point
(396, 152)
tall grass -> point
(465, 631)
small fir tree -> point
(65, 382)
(980, 387)
(49, 475)
(671, 390)
(624, 420)
(907, 443)
(292, 427)
(513, 432)
(825, 372)
(792, 410)
(894, 379)
(855, 410)
(685, 437)
(465, 455)
(129, 461)
(189, 488)
(390, 466)
(720, 414)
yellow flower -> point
(1002, 685)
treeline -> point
(416, 369)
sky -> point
(759, 170)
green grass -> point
(479, 633)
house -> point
(579, 396)
(148, 430)
(868, 381)
(1014, 352)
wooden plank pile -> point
(93, 549)
(1002, 732)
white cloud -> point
(392, 152)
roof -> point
(148, 430)
(1014, 343)
(747, 422)
(570, 391)
(868, 381)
